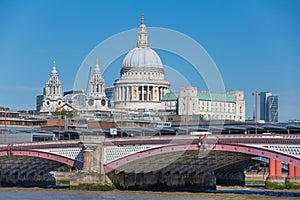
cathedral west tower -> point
(96, 95)
(52, 92)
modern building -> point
(268, 107)
(141, 85)
(191, 101)
(39, 101)
(109, 93)
(73, 92)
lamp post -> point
(4, 127)
(256, 93)
(121, 119)
(186, 98)
(59, 109)
(59, 122)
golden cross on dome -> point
(143, 20)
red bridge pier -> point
(293, 178)
(275, 179)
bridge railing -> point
(234, 138)
(275, 136)
(45, 144)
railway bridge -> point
(156, 162)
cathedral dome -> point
(142, 58)
(142, 84)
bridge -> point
(150, 162)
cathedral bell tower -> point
(96, 95)
(52, 92)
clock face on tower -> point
(91, 102)
(103, 102)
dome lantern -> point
(142, 35)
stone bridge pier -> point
(93, 174)
(165, 182)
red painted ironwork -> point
(252, 150)
(33, 153)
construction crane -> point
(87, 85)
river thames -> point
(65, 194)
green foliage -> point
(255, 182)
(93, 187)
(63, 182)
(292, 185)
(65, 113)
(201, 117)
(274, 185)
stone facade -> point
(52, 92)
(96, 98)
(94, 101)
(190, 101)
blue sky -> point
(255, 44)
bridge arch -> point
(46, 155)
(238, 148)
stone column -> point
(160, 93)
(142, 93)
(87, 160)
(148, 93)
(133, 96)
(128, 93)
(152, 93)
(138, 93)
(120, 93)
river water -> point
(65, 194)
